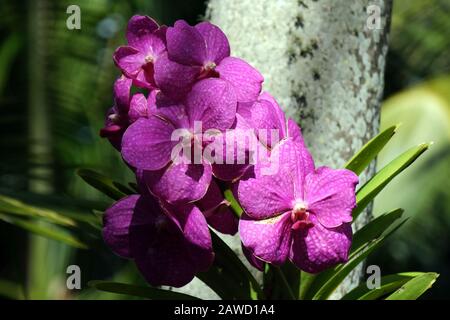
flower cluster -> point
(199, 123)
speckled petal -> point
(267, 119)
(274, 186)
(147, 143)
(318, 248)
(242, 146)
(138, 107)
(185, 44)
(217, 210)
(254, 261)
(213, 102)
(129, 60)
(126, 217)
(268, 239)
(245, 79)
(330, 195)
(179, 183)
(217, 46)
(175, 80)
(294, 132)
(139, 28)
(178, 246)
(122, 88)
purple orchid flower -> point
(259, 126)
(200, 52)
(266, 117)
(169, 245)
(217, 210)
(149, 144)
(297, 212)
(124, 111)
(146, 44)
(116, 118)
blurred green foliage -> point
(55, 86)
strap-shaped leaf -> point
(102, 183)
(139, 291)
(228, 276)
(326, 282)
(11, 290)
(15, 207)
(388, 284)
(414, 288)
(369, 190)
(370, 150)
(52, 232)
(375, 228)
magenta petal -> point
(185, 44)
(147, 143)
(217, 46)
(245, 79)
(173, 247)
(175, 80)
(330, 195)
(140, 27)
(318, 248)
(294, 132)
(217, 210)
(240, 148)
(122, 88)
(161, 106)
(180, 183)
(129, 60)
(268, 239)
(275, 184)
(254, 261)
(125, 219)
(268, 120)
(138, 107)
(213, 102)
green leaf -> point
(228, 276)
(102, 183)
(375, 228)
(306, 280)
(414, 288)
(11, 290)
(326, 282)
(369, 190)
(139, 291)
(8, 52)
(51, 232)
(388, 284)
(370, 150)
(12, 206)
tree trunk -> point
(323, 62)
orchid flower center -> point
(300, 216)
(149, 59)
(209, 66)
(208, 70)
(115, 118)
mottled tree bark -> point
(322, 63)
(325, 67)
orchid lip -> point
(300, 216)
